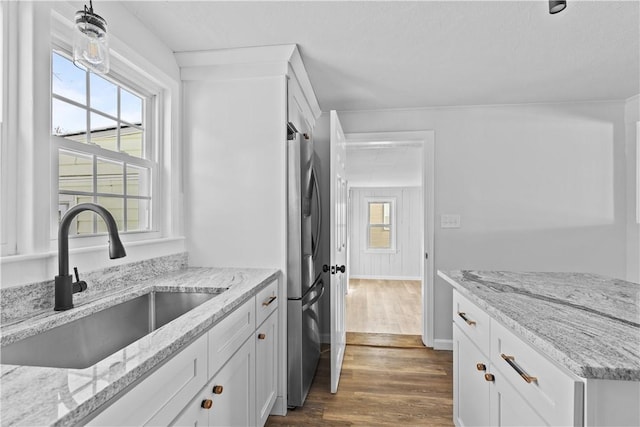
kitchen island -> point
(32, 395)
(581, 329)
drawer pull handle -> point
(489, 377)
(261, 336)
(217, 389)
(464, 317)
(269, 301)
(207, 404)
(481, 367)
(511, 361)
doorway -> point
(390, 229)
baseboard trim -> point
(360, 276)
(279, 407)
(443, 344)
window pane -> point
(138, 181)
(138, 215)
(379, 237)
(83, 222)
(75, 172)
(115, 206)
(68, 80)
(130, 107)
(379, 213)
(110, 177)
(68, 121)
(131, 141)
(104, 95)
(104, 132)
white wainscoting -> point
(405, 263)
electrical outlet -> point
(450, 221)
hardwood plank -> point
(385, 340)
(384, 306)
(380, 386)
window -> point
(102, 131)
(381, 225)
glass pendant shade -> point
(556, 6)
(91, 42)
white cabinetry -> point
(266, 367)
(521, 386)
(228, 399)
(266, 338)
(470, 387)
(227, 377)
(159, 397)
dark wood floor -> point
(380, 386)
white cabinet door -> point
(163, 394)
(266, 367)
(234, 400)
(470, 388)
(509, 408)
(194, 415)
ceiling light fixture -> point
(90, 41)
(556, 6)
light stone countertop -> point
(55, 396)
(588, 323)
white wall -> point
(632, 118)
(235, 172)
(405, 262)
(538, 187)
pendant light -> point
(556, 6)
(91, 41)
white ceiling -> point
(395, 54)
(376, 165)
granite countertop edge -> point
(166, 341)
(543, 345)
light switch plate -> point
(450, 221)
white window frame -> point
(150, 142)
(31, 30)
(392, 225)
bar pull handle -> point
(269, 301)
(511, 361)
(464, 317)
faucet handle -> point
(79, 285)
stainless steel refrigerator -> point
(305, 287)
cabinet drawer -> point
(228, 335)
(554, 393)
(472, 321)
(266, 302)
(163, 394)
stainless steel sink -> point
(85, 341)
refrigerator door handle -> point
(316, 241)
(316, 298)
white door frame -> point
(427, 139)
